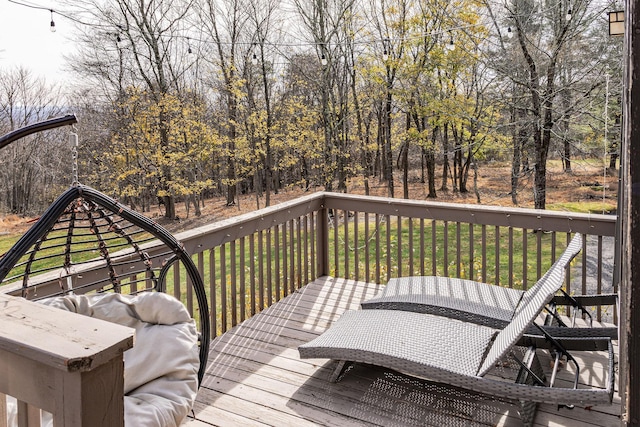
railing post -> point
(67, 364)
(322, 242)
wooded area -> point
(181, 100)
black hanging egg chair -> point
(88, 243)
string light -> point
(52, 26)
(323, 59)
(509, 33)
(568, 15)
(385, 53)
(254, 57)
(189, 46)
(451, 46)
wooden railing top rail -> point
(230, 229)
(532, 219)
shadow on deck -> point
(255, 377)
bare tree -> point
(35, 168)
(225, 22)
(264, 18)
(136, 43)
(325, 22)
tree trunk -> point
(388, 154)
(445, 160)
(430, 160)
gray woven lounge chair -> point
(430, 347)
(461, 299)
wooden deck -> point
(256, 378)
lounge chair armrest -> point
(580, 302)
(569, 343)
(585, 300)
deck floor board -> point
(256, 378)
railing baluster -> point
(213, 303)
(422, 254)
(410, 249)
(243, 288)
(497, 251)
(458, 249)
(269, 269)
(276, 240)
(298, 275)
(511, 248)
(223, 287)
(434, 254)
(367, 257)
(377, 217)
(319, 234)
(292, 255)
(286, 230)
(336, 242)
(233, 283)
(347, 252)
(525, 250)
(306, 258)
(133, 279)
(189, 291)
(289, 258)
(356, 246)
(599, 277)
(472, 253)
(484, 253)
(445, 250)
(539, 253)
(387, 220)
(252, 272)
(261, 277)
(399, 248)
(177, 292)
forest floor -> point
(586, 189)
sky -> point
(26, 40)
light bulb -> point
(451, 45)
(52, 26)
(254, 59)
(568, 15)
(509, 33)
(323, 60)
(385, 55)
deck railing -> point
(250, 261)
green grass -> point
(464, 265)
(584, 207)
(452, 263)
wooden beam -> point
(630, 230)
